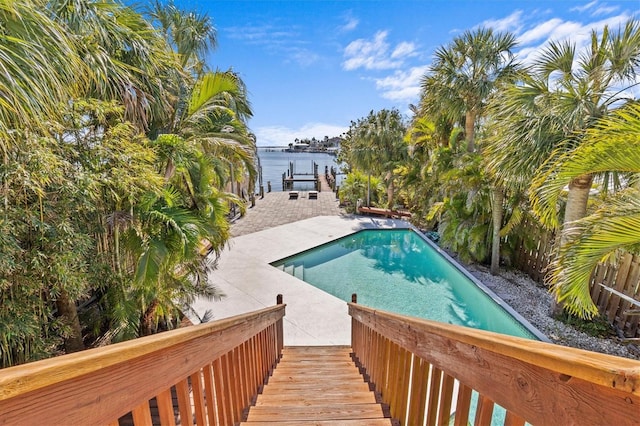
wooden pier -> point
(287, 182)
(290, 177)
(320, 181)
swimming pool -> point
(401, 271)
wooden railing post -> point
(355, 335)
(279, 330)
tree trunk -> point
(68, 311)
(369, 190)
(576, 203)
(496, 213)
(147, 327)
(576, 208)
(170, 170)
(470, 130)
(391, 190)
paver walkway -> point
(277, 209)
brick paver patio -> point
(277, 209)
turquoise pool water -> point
(402, 272)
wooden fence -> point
(615, 287)
(433, 373)
(533, 251)
(213, 370)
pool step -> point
(298, 271)
(295, 269)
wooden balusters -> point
(210, 395)
(223, 403)
(418, 393)
(199, 405)
(446, 399)
(184, 402)
(165, 408)
(463, 406)
(420, 367)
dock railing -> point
(433, 373)
(213, 370)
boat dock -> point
(321, 181)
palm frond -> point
(613, 144)
(592, 240)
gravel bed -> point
(534, 303)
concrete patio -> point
(245, 276)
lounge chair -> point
(313, 195)
(293, 195)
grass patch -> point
(597, 326)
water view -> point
(275, 162)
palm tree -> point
(199, 144)
(212, 121)
(210, 109)
(191, 34)
(563, 94)
(208, 137)
(375, 144)
(612, 144)
(464, 74)
(463, 77)
(508, 181)
(41, 67)
(46, 69)
(129, 60)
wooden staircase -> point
(317, 385)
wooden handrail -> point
(537, 382)
(223, 363)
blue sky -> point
(313, 66)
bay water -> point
(274, 162)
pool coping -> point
(313, 317)
(530, 327)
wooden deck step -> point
(364, 422)
(316, 385)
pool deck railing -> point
(422, 371)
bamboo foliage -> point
(98, 245)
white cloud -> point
(352, 24)
(262, 34)
(304, 57)
(288, 44)
(583, 8)
(539, 32)
(604, 10)
(557, 30)
(510, 23)
(376, 53)
(402, 86)
(403, 50)
(283, 136)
